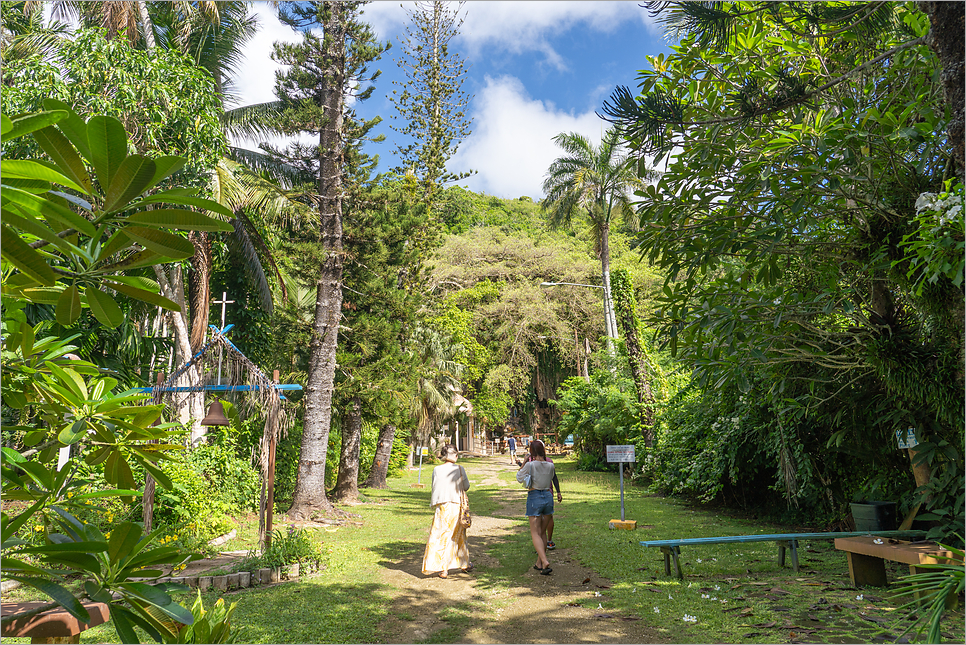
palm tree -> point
(438, 380)
(596, 182)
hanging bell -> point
(216, 415)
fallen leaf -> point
(751, 634)
(603, 616)
(766, 625)
(874, 619)
(586, 580)
(602, 586)
(629, 618)
(779, 590)
(730, 609)
(747, 611)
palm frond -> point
(285, 175)
(241, 242)
(645, 118)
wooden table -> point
(867, 559)
(54, 625)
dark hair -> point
(536, 449)
(447, 450)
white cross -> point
(224, 301)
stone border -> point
(246, 579)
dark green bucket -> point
(874, 516)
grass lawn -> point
(735, 593)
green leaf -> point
(68, 306)
(39, 205)
(28, 260)
(143, 258)
(176, 196)
(123, 539)
(121, 618)
(108, 147)
(39, 230)
(131, 179)
(165, 167)
(96, 592)
(59, 148)
(161, 242)
(182, 220)
(159, 599)
(142, 294)
(107, 312)
(33, 122)
(73, 127)
(73, 433)
(26, 169)
(6, 125)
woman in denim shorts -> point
(537, 475)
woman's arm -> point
(466, 479)
(521, 475)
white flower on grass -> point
(690, 619)
(860, 597)
(596, 594)
(657, 610)
(714, 597)
(689, 585)
(717, 588)
(704, 595)
(699, 560)
(877, 541)
(669, 597)
(599, 606)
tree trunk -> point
(627, 322)
(309, 495)
(347, 484)
(199, 304)
(147, 25)
(946, 39)
(191, 405)
(380, 463)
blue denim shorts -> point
(539, 502)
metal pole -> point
(620, 466)
(419, 477)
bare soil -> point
(529, 608)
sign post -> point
(621, 454)
(419, 477)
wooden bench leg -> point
(666, 550)
(794, 545)
(865, 570)
(675, 553)
(781, 554)
(791, 545)
(952, 600)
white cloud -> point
(517, 27)
(256, 80)
(512, 142)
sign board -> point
(620, 453)
(909, 441)
(425, 451)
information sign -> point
(909, 441)
(425, 451)
(620, 453)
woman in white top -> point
(539, 500)
(446, 547)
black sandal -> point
(546, 572)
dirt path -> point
(524, 608)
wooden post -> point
(147, 500)
(271, 424)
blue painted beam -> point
(222, 388)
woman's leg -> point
(549, 529)
(536, 535)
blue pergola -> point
(270, 393)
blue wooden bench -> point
(672, 548)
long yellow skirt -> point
(446, 548)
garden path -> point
(526, 608)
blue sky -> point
(535, 69)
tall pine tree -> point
(431, 105)
(323, 70)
